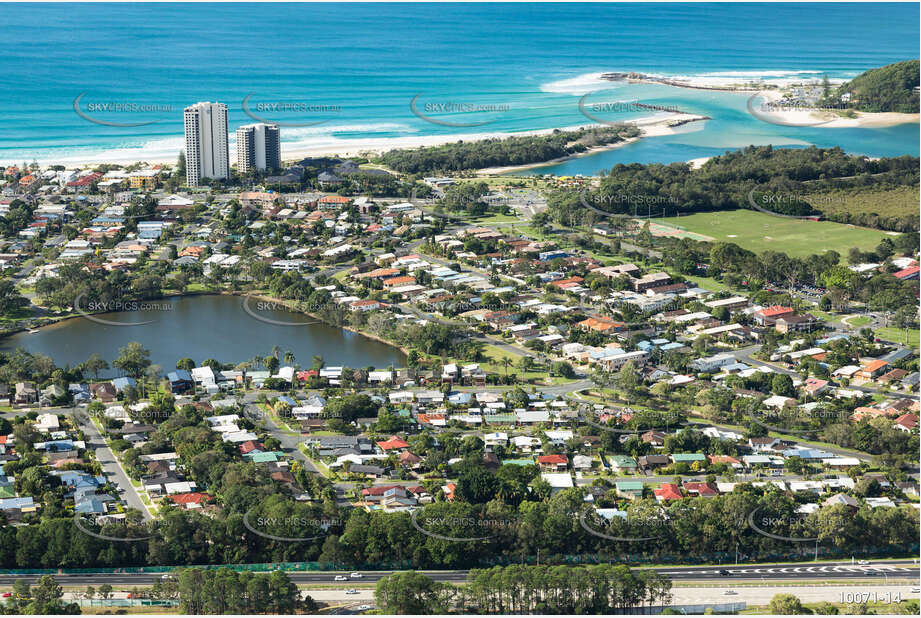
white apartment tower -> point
(258, 147)
(206, 142)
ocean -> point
(399, 74)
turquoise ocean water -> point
(349, 72)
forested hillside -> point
(886, 89)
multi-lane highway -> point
(881, 570)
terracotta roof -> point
(775, 310)
(873, 365)
(600, 324)
(393, 443)
(668, 491)
(553, 459)
(191, 498)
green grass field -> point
(898, 335)
(759, 232)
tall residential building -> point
(206, 142)
(258, 147)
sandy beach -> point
(697, 163)
(829, 119)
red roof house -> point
(393, 444)
(667, 491)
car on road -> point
(340, 578)
(6, 595)
(916, 590)
(364, 608)
(729, 593)
(167, 576)
(351, 591)
(356, 575)
(863, 562)
(725, 573)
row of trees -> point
(518, 589)
(223, 591)
(689, 530)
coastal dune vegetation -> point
(496, 152)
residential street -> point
(110, 465)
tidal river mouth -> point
(202, 327)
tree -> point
(564, 369)
(180, 166)
(94, 364)
(185, 363)
(627, 378)
(10, 298)
(786, 604)
(46, 599)
(476, 485)
(701, 345)
(133, 359)
(782, 384)
(411, 593)
(826, 609)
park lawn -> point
(495, 354)
(495, 219)
(708, 283)
(860, 321)
(759, 232)
(897, 335)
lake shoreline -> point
(294, 309)
(287, 304)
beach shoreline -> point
(653, 126)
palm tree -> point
(289, 357)
(275, 351)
